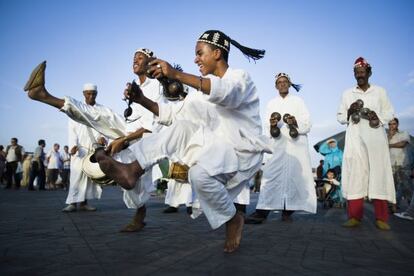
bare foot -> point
(137, 223)
(234, 228)
(126, 175)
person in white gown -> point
(287, 181)
(366, 167)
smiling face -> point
(206, 58)
(140, 63)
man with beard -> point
(366, 167)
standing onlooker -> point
(319, 170)
(38, 168)
(398, 143)
(2, 163)
(54, 164)
(14, 155)
(366, 169)
(333, 156)
(65, 173)
(26, 170)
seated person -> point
(328, 181)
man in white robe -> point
(366, 167)
(217, 133)
(81, 139)
(287, 181)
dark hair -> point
(41, 142)
(14, 138)
(332, 171)
(396, 119)
(1, 147)
(224, 53)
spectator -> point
(54, 164)
(38, 169)
(2, 163)
(65, 173)
(319, 170)
(14, 155)
(333, 155)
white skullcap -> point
(90, 87)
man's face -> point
(56, 147)
(393, 125)
(332, 145)
(90, 96)
(140, 64)
(65, 148)
(361, 75)
(282, 85)
(206, 58)
(330, 175)
(13, 142)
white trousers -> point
(178, 193)
(172, 143)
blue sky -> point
(315, 42)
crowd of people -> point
(213, 143)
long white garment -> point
(111, 125)
(81, 187)
(287, 180)
(178, 193)
(366, 167)
(220, 132)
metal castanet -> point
(293, 132)
(274, 129)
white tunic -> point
(54, 160)
(287, 180)
(229, 114)
(81, 187)
(399, 156)
(366, 167)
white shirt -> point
(55, 160)
(399, 156)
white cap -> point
(90, 87)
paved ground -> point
(36, 238)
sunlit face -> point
(282, 85)
(361, 75)
(206, 58)
(140, 64)
(332, 145)
(90, 96)
(393, 125)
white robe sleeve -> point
(342, 114)
(303, 119)
(230, 92)
(72, 135)
(386, 113)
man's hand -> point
(117, 145)
(74, 150)
(160, 68)
(102, 141)
(134, 93)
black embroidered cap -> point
(221, 40)
(296, 86)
